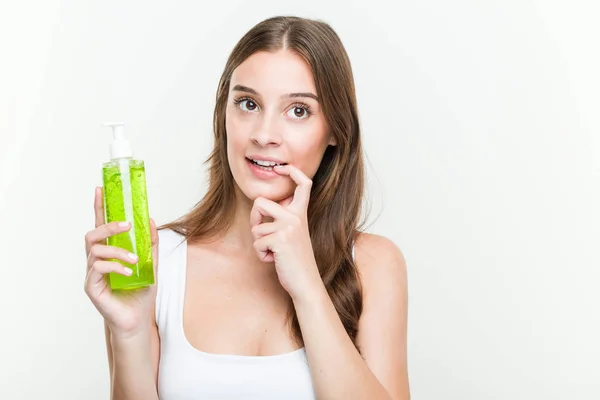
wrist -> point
(131, 335)
(314, 292)
(136, 346)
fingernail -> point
(127, 270)
(123, 224)
(132, 256)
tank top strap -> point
(172, 255)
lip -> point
(259, 172)
(262, 158)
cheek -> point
(235, 133)
(307, 153)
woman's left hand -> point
(286, 240)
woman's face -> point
(273, 115)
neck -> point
(239, 235)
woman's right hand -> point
(125, 312)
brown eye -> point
(246, 105)
(298, 112)
(250, 105)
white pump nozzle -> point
(119, 148)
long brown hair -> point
(334, 210)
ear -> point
(332, 141)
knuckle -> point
(88, 238)
(95, 266)
(96, 251)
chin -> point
(271, 193)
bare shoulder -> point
(380, 262)
(382, 331)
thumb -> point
(154, 236)
(99, 206)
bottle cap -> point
(119, 148)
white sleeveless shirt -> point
(186, 373)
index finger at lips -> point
(302, 192)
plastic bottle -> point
(125, 199)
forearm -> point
(337, 369)
(132, 372)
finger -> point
(264, 229)
(99, 207)
(103, 252)
(263, 248)
(266, 208)
(286, 202)
(102, 267)
(105, 231)
(154, 235)
(303, 182)
(98, 217)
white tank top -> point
(185, 373)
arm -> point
(109, 352)
(132, 358)
(130, 362)
(338, 370)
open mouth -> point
(264, 165)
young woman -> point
(267, 289)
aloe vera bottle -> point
(125, 199)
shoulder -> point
(381, 265)
(382, 331)
(379, 255)
(168, 240)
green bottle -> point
(125, 199)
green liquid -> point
(125, 199)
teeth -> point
(265, 163)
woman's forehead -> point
(274, 73)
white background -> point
(480, 121)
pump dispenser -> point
(120, 147)
(125, 199)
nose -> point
(266, 132)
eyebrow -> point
(242, 88)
